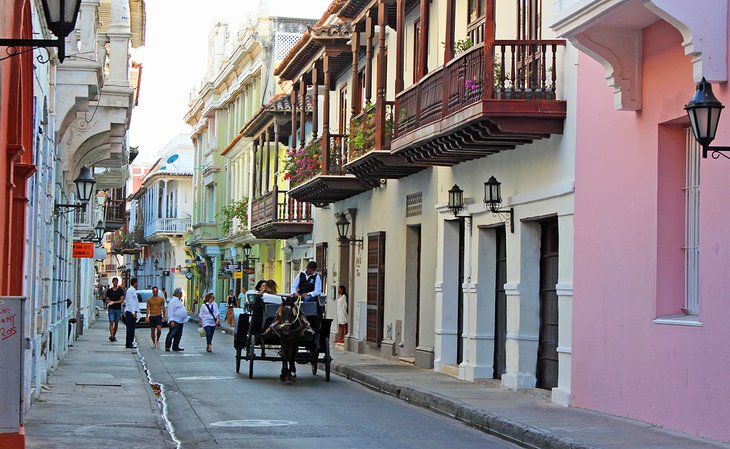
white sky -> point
(174, 60)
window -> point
(476, 10)
(210, 203)
(692, 224)
(343, 110)
(416, 48)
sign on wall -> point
(83, 250)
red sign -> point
(83, 250)
(247, 270)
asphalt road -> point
(209, 405)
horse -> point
(292, 329)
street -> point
(209, 405)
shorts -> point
(155, 320)
(115, 315)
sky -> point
(174, 60)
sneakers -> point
(111, 338)
(167, 349)
(178, 349)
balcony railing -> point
(523, 70)
(114, 213)
(362, 130)
(167, 226)
(277, 206)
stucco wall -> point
(623, 363)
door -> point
(412, 267)
(460, 298)
(500, 305)
(343, 125)
(547, 352)
(376, 286)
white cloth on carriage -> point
(272, 299)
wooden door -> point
(376, 286)
(547, 352)
(500, 305)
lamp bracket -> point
(509, 217)
(58, 209)
(716, 152)
(11, 48)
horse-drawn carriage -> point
(285, 341)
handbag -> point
(201, 332)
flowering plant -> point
(302, 164)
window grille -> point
(283, 43)
(414, 204)
(692, 224)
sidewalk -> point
(98, 397)
(523, 417)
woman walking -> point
(231, 303)
(208, 319)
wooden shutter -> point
(321, 259)
(376, 286)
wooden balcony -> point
(365, 160)
(456, 113)
(336, 184)
(114, 214)
(277, 215)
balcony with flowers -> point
(316, 172)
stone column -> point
(119, 36)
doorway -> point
(547, 351)
(500, 304)
(411, 320)
(376, 286)
(460, 299)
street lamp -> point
(493, 201)
(343, 225)
(101, 198)
(99, 231)
(61, 20)
(704, 115)
(247, 253)
(156, 264)
(456, 200)
(84, 186)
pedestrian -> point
(231, 303)
(164, 293)
(270, 292)
(114, 299)
(156, 313)
(208, 319)
(308, 285)
(342, 318)
(131, 309)
(177, 316)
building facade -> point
(650, 277)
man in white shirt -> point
(177, 316)
(131, 309)
(308, 285)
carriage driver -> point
(308, 285)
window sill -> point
(680, 320)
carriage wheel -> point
(238, 360)
(327, 361)
(252, 346)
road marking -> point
(181, 355)
(205, 378)
(253, 423)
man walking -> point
(177, 316)
(131, 309)
(114, 299)
(155, 316)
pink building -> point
(651, 312)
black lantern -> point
(493, 201)
(84, 184)
(99, 231)
(247, 250)
(61, 20)
(156, 263)
(704, 115)
(492, 194)
(342, 227)
(456, 200)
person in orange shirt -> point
(156, 313)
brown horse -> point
(293, 329)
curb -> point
(506, 429)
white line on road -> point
(205, 378)
(253, 423)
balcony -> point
(368, 162)
(166, 227)
(335, 185)
(114, 214)
(276, 215)
(456, 113)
